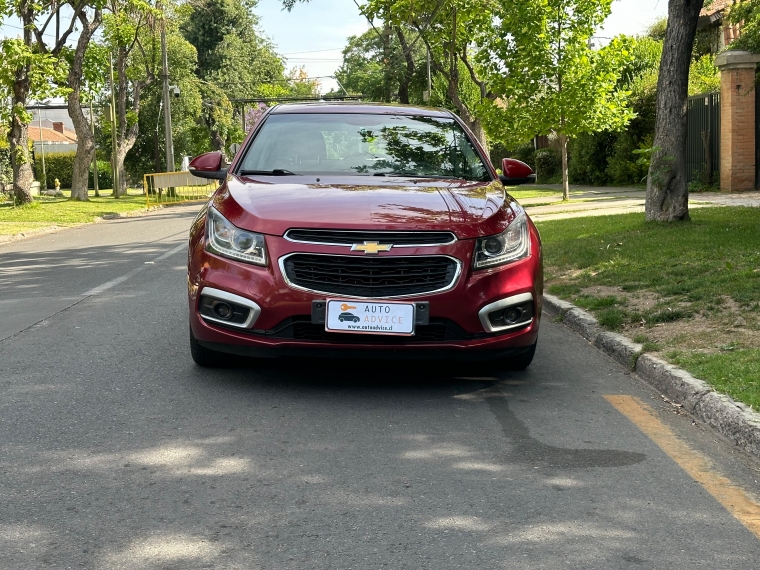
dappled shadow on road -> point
(28, 271)
(117, 452)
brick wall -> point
(737, 136)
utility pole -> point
(94, 153)
(42, 147)
(167, 102)
(426, 94)
(114, 140)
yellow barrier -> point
(169, 187)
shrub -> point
(589, 154)
(60, 166)
(497, 151)
(548, 165)
(6, 172)
(105, 176)
(525, 153)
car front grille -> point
(302, 329)
(371, 277)
(347, 237)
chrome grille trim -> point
(455, 279)
(382, 236)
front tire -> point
(522, 361)
(204, 357)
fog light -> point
(223, 311)
(513, 315)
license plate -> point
(370, 317)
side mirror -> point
(516, 172)
(208, 165)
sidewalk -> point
(605, 201)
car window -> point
(364, 144)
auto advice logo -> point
(371, 247)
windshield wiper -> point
(275, 172)
(411, 175)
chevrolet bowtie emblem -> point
(371, 247)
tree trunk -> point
(667, 197)
(403, 88)
(386, 64)
(565, 172)
(18, 138)
(126, 135)
(120, 184)
(85, 138)
(18, 135)
(121, 154)
(217, 140)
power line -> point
(312, 51)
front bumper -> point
(284, 324)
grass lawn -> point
(520, 192)
(688, 291)
(47, 211)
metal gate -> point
(703, 145)
(757, 139)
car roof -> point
(352, 107)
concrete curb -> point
(732, 419)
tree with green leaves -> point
(88, 14)
(235, 60)
(189, 132)
(131, 32)
(375, 66)
(747, 14)
(546, 75)
(25, 73)
(446, 29)
(667, 197)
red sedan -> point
(363, 230)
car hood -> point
(469, 209)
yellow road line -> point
(734, 499)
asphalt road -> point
(117, 452)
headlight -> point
(230, 241)
(511, 245)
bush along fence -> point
(61, 166)
(6, 173)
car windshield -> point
(363, 144)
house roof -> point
(715, 8)
(52, 136)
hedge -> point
(548, 166)
(61, 166)
(6, 172)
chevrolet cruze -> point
(392, 213)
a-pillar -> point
(737, 120)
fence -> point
(757, 139)
(703, 144)
(169, 187)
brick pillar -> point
(737, 120)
